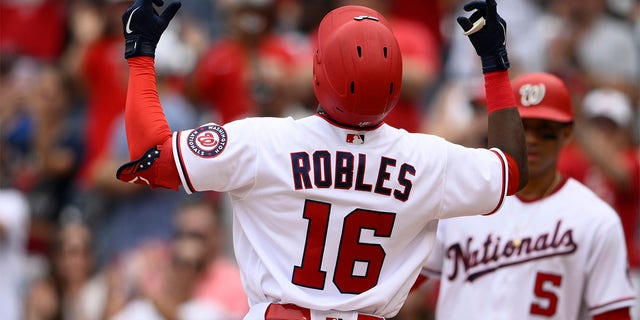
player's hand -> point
(143, 26)
(487, 32)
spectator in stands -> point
(55, 152)
(33, 28)
(102, 72)
(14, 224)
(162, 286)
(592, 48)
(245, 73)
(71, 290)
(221, 283)
(40, 141)
(138, 276)
(458, 113)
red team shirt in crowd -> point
(222, 75)
(33, 28)
(573, 163)
(105, 75)
(418, 44)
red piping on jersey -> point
(183, 167)
(438, 272)
(514, 174)
(612, 302)
(504, 181)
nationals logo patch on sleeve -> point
(207, 141)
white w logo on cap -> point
(532, 94)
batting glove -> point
(143, 26)
(487, 32)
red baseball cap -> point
(542, 96)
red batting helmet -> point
(543, 96)
(357, 70)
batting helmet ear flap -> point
(357, 69)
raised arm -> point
(148, 133)
(487, 33)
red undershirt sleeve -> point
(148, 132)
(618, 314)
(145, 121)
(514, 174)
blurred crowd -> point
(77, 244)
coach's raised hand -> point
(487, 32)
(143, 26)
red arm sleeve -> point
(514, 175)
(148, 133)
(145, 121)
(618, 314)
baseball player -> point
(334, 214)
(553, 251)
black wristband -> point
(135, 46)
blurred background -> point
(77, 244)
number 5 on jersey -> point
(350, 252)
(547, 293)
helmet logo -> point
(360, 18)
(532, 94)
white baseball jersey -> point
(330, 218)
(560, 257)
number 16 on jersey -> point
(350, 252)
